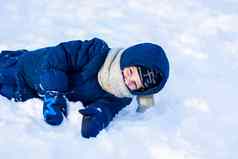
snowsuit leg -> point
(7, 83)
(7, 91)
(8, 61)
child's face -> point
(132, 78)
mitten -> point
(94, 120)
(54, 108)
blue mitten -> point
(54, 107)
(94, 120)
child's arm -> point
(68, 56)
(98, 115)
(72, 56)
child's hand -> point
(94, 120)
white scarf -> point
(110, 75)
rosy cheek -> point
(131, 85)
(127, 74)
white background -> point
(196, 113)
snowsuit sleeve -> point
(70, 57)
(58, 61)
(98, 115)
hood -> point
(148, 55)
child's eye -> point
(130, 71)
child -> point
(104, 79)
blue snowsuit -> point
(69, 71)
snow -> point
(195, 116)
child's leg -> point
(7, 90)
(7, 82)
